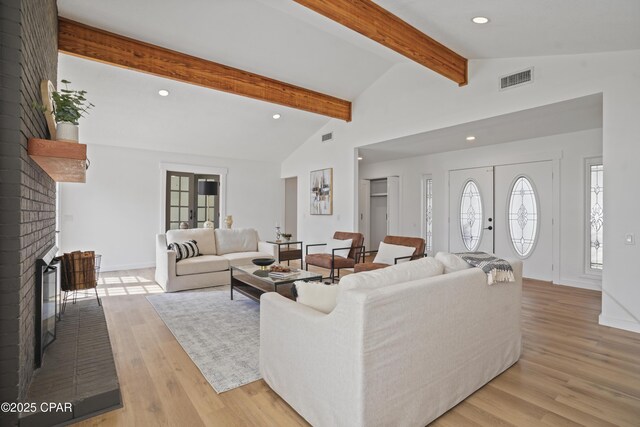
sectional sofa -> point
(403, 345)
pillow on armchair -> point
(335, 244)
(387, 253)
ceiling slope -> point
(380, 25)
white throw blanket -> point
(497, 269)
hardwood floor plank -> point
(572, 370)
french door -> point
(185, 205)
(506, 210)
(524, 211)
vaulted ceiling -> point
(286, 41)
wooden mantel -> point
(62, 161)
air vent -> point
(516, 79)
(327, 137)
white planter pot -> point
(66, 131)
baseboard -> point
(580, 284)
(135, 266)
(619, 324)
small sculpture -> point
(184, 225)
(228, 220)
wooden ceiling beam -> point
(87, 42)
(380, 25)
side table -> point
(288, 253)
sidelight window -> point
(428, 215)
(595, 218)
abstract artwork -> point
(322, 192)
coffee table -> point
(252, 282)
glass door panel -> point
(180, 207)
(207, 206)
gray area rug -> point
(221, 336)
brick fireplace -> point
(28, 54)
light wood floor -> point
(572, 371)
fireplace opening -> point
(47, 302)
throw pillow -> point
(335, 244)
(452, 262)
(317, 295)
(387, 253)
(236, 240)
(188, 249)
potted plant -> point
(286, 236)
(67, 107)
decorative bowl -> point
(263, 263)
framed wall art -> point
(322, 192)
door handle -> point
(190, 213)
(489, 228)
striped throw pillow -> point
(188, 249)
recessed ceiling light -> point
(359, 157)
(471, 138)
(276, 116)
(163, 92)
(480, 20)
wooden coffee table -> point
(252, 282)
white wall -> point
(571, 150)
(117, 212)
(409, 99)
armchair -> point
(332, 261)
(415, 242)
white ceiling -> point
(563, 117)
(525, 28)
(130, 113)
(288, 42)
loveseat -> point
(403, 345)
(219, 250)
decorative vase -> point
(228, 221)
(67, 131)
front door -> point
(524, 216)
(471, 222)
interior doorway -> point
(379, 205)
(291, 206)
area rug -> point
(221, 336)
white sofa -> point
(219, 249)
(400, 354)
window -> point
(185, 205)
(523, 216)
(428, 214)
(471, 215)
(595, 218)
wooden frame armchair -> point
(333, 262)
(415, 242)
